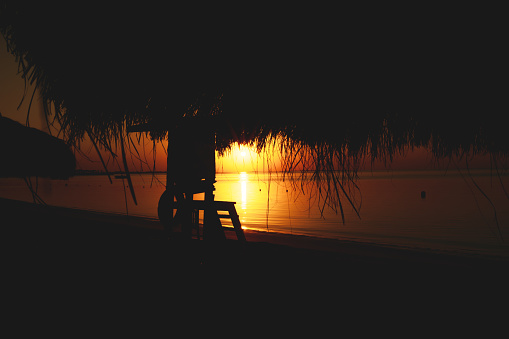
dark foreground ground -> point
(50, 251)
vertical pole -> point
(170, 182)
(208, 212)
(188, 232)
(212, 228)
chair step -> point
(225, 206)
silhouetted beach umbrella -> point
(28, 152)
(283, 71)
(328, 88)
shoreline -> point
(295, 240)
(362, 172)
(107, 229)
(301, 240)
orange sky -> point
(240, 159)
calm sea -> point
(457, 212)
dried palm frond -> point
(328, 95)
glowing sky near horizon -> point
(240, 159)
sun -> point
(240, 158)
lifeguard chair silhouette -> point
(191, 169)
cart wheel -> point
(169, 214)
(164, 212)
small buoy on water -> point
(423, 194)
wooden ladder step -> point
(225, 206)
(218, 205)
(236, 224)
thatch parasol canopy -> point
(328, 83)
(276, 69)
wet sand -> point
(87, 265)
(82, 260)
(75, 237)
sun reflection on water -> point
(243, 179)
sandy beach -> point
(83, 260)
(69, 236)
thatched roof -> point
(103, 67)
(327, 85)
(29, 152)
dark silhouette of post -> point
(191, 170)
